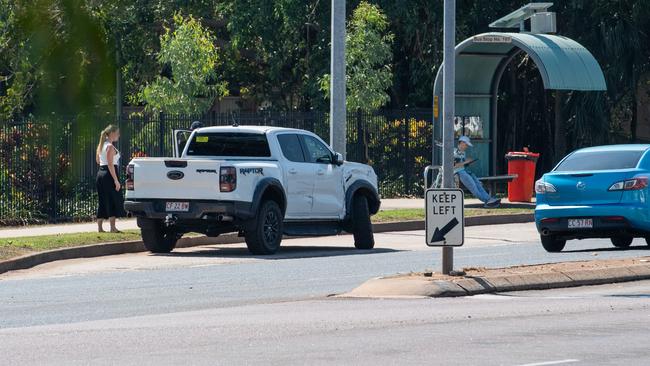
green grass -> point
(12, 247)
(418, 213)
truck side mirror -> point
(338, 159)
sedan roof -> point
(622, 147)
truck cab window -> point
(317, 152)
(291, 148)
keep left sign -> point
(445, 217)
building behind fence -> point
(47, 167)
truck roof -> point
(245, 129)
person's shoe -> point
(492, 203)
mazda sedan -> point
(597, 192)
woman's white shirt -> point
(103, 155)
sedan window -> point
(600, 160)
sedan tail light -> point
(130, 170)
(633, 184)
(542, 187)
(227, 179)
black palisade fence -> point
(47, 165)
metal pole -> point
(448, 111)
(337, 81)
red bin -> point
(522, 164)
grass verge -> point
(13, 247)
(418, 213)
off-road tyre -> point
(156, 237)
(361, 225)
(264, 234)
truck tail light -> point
(130, 169)
(633, 184)
(227, 179)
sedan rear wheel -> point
(622, 241)
(552, 244)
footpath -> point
(130, 224)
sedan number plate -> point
(177, 206)
(581, 223)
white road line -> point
(570, 360)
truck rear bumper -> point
(156, 209)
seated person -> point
(469, 180)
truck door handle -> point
(320, 172)
(293, 171)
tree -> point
(54, 59)
(191, 85)
(280, 50)
(368, 55)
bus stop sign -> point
(445, 217)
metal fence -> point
(47, 166)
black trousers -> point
(111, 202)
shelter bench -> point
(492, 182)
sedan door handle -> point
(293, 171)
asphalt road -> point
(218, 305)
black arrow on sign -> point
(439, 234)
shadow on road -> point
(287, 252)
(610, 249)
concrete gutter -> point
(114, 248)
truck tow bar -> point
(170, 220)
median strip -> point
(519, 278)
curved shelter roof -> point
(564, 64)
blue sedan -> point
(597, 192)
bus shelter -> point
(481, 60)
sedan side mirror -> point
(338, 159)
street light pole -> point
(448, 112)
(337, 80)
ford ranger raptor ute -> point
(262, 182)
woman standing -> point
(111, 203)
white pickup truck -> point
(262, 182)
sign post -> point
(445, 222)
(448, 113)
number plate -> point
(581, 223)
(177, 206)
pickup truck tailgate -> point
(169, 178)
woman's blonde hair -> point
(104, 135)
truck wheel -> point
(265, 233)
(361, 225)
(157, 238)
(553, 244)
(622, 241)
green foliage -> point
(280, 49)
(190, 53)
(368, 55)
(59, 60)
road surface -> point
(219, 305)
